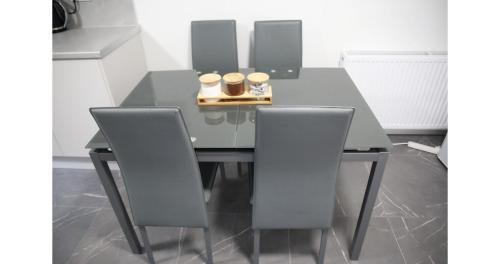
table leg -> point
(115, 199)
(250, 179)
(372, 187)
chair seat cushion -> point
(208, 170)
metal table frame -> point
(378, 157)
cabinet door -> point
(77, 86)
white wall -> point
(329, 26)
(99, 13)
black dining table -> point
(227, 133)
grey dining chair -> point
(298, 151)
(278, 45)
(165, 184)
(214, 46)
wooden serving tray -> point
(244, 99)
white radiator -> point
(408, 92)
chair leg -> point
(256, 246)
(208, 244)
(322, 246)
(250, 181)
(147, 246)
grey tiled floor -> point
(409, 223)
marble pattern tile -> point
(69, 225)
(304, 247)
(409, 222)
(380, 246)
(104, 242)
(80, 188)
(421, 240)
(413, 187)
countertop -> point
(90, 43)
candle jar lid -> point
(210, 78)
(234, 78)
(258, 77)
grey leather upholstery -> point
(278, 45)
(214, 46)
(297, 155)
(298, 151)
(158, 164)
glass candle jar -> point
(210, 86)
(235, 83)
(258, 83)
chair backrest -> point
(214, 46)
(158, 164)
(298, 151)
(278, 44)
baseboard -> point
(416, 131)
(83, 163)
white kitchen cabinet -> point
(79, 84)
(56, 150)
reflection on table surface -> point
(281, 72)
(234, 126)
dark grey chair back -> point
(298, 151)
(214, 46)
(278, 44)
(158, 164)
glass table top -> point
(234, 126)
